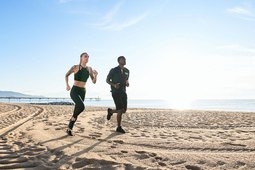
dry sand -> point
(33, 137)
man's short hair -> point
(120, 57)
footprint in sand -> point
(140, 152)
(85, 163)
(48, 123)
(45, 120)
(99, 127)
(122, 151)
(162, 164)
(192, 167)
(201, 162)
(118, 141)
(145, 155)
(163, 137)
(239, 164)
(178, 162)
(143, 134)
(81, 164)
(157, 159)
(81, 130)
(155, 136)
(220, 163)
(55, 124)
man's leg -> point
(116, 99)
(119, 117)
(123, 104)
(120, 110)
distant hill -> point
(12, 94)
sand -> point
(33, 137)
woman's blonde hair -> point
(82, 55)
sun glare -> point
(180, 103)
(191, 79)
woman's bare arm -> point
(70, 71)
(93, 75)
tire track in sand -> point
(17, 152)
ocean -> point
(243, 105)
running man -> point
(118, 80)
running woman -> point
(118, 80)
(81, 74)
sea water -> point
(244, 105)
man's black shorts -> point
(120, 99)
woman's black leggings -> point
(77, 94)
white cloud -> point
(117, 26)
(110, 15)
(109, 21)
(241, 12)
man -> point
(118, 79)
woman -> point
(78, 91)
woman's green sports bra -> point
(82, 74)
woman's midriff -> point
(79, 83)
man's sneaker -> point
(109, 114)
(119, 129)
(69, 132)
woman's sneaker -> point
(69, 132)
(120, 130)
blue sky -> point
(175, 49)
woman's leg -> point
(77, 95)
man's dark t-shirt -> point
(117, 76)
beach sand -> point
(34, 137)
